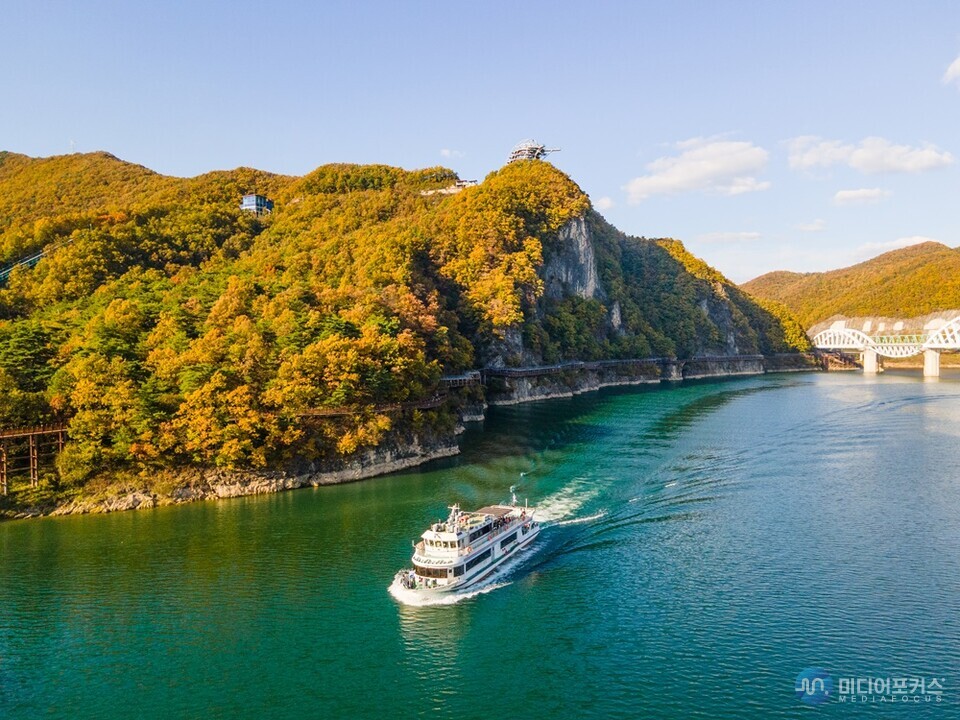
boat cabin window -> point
(473, 562)
(481, 532)
(431, 572)
(447, 544)
(458, 571)
(507, 540)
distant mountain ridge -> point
(905, 283)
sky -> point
(765, 135)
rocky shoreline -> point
(219, 484)
(404, 450)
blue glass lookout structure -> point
(256, 203)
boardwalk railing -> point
(535, 370)
(473, 377)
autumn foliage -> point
(168, 327)
(904, 283)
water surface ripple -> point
(704, 544)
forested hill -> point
(168, 327)
(68, 186)
(905, 283)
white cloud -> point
(863, 196)
(876, 248)
(871, 156)
(604, 203)
(729, 237)
(876, 155)
(816, 226)
(448, 153)
(952, 75)
(810, 151)
(725, 167)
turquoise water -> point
(706, 543)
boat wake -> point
(577, 521)
(564, 503)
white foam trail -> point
(670, 484)
(565, 502)
(588, 518)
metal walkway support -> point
(34, 462)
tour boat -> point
(468, 547)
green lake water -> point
(703, 544)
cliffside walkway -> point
(664, 368)
(669, 368)
(23, 449)
(538, 370)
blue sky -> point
(765, 135)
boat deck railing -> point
(449, 553)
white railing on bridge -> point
(892, 346)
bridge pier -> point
(931, 363)
(871, 363)
(945, 339)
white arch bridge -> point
(946, 339)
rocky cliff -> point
(605, 294)
(571, 267)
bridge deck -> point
(946, 338)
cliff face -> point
(605, 294)
(571, 268)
